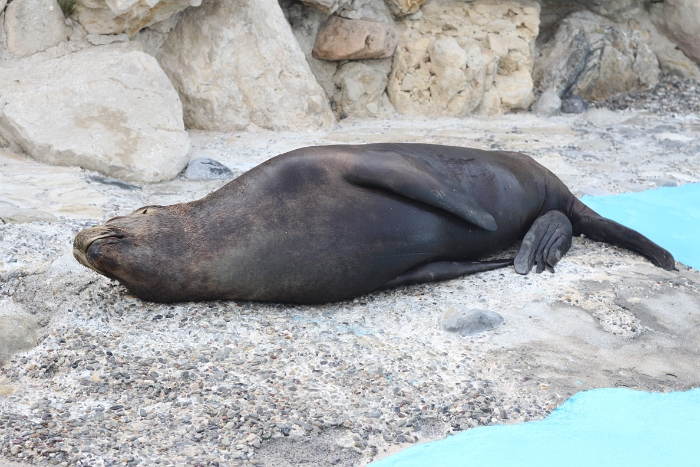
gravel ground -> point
(671, 96)
(116, 381)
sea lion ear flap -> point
(406, 176)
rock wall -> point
(79, 88)
(458, 58)
(237, 63)
(352, 90)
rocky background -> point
(111, 85)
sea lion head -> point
(131, 248)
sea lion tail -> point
(596, 227)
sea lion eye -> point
(145, 211)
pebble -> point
(204, 168)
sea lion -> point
(329, 223)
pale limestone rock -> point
(33, 26)
(595, 58)
(127, 16)
(679, 20)
(404, 7)
(236, 63)
(3, 4)
(18, 333)
(354, 39)
(459, 58)
(361, 91)
(548, 104)
(326, 6)
(104, 108)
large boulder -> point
(106, 108)
(237, 63)
(127, 16)
(459, 58)
(679, 20)
(594, 58)
(33, 26)
(354, 39)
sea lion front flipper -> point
(545, 243)
(445, 270)
(406, 176)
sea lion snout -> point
(86, 239)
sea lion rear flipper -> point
(409, 177)
(445, 270)
(605, 230)
(545, 243)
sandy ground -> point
(118, 381)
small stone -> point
(18, 333)
(204, 168)
(548, 104)
(466, 322)
(354, 39)
(574, 105)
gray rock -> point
(548, 104)
(18, 333)
(33, 26)
(466, 322)
(574, 105)
(204, 168)
(595, 58)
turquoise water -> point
(598, 428)
(668, 216)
